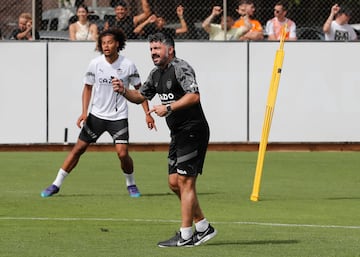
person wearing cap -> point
(124, 21)
(338, 29)
(174, 81)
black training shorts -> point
(94, 127)
(187, 151)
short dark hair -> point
(119, 3)
(344, 9)
(284, 4)
(246, 2)
(118, 35)
(163, 38)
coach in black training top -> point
(174, 81)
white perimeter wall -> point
(41, 85)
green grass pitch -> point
(309, 206)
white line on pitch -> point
(177, 221)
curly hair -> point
(118, 35)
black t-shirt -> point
(127, 25)
(152, 29)
(17, 31)
(171, 84)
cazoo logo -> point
(105, 80)
(166, 97)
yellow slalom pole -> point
(274, 84)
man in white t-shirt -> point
(224, 31)
(275, 27)
(338, 29)
(107, 111)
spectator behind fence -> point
(24, 30)
(217, 31)
(126, 22)
(339, 29)
(256, 31)
(82, 29)
(155, 24)
(274, 27)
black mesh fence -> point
(52, 17)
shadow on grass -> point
(254, 242)
(80, 195)
(171, 194)
(343, 198)
(309, 198)
(113, 195)
(142, 195)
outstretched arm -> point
(150, 122)
(180, 14)
(327, 25)
(134, 96)
(139, 29)
(131, 95)
(142, 16)
(206, 23)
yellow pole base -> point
(254, 198)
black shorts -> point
(94, 127)
(187, 151)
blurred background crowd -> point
(185, 18)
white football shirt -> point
(106, 104)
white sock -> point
(60, 177)
(202, 225)
(186, 233)
(130, 179)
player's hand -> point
(152, 18)
(29, 25)
(160, 110)
(335, 9)
(180, 11)
(216, 10)
(118, 85)
(150, 122)
(81, 120)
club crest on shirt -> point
(168, 84)
(119, 71)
